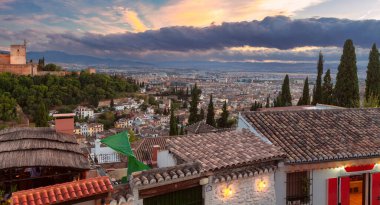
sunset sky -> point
(287, 31)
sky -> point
(284, 31)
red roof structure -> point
(63, 193)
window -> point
(298, 188)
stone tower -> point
(18, 54)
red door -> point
(375, 195)
(345, 190)
(332, 191)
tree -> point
(372, 83)
(173, 124)
(284, 98)
(41, 115)
(223, 120)
(7, 107)
(327, 89)
(181, 132)
(305, 98)
(346, 92)
(317, 95)
(267, 105)
(201, 115)
(256, 105)
(210, 119)
(112, 104)
(195, 93)
(132, 136)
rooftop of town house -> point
(309, 136)
(63, 193)
(33, 147)
(143, 148)
(220, 150)
(200, 127)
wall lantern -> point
(261, 185)
(227, 192)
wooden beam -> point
(160, 190)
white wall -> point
(165, 159)
(244, 191)
(280, 185)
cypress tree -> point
(346, 92)
(210, 119)
(41, 115)
(305, 98)
(173, 124)
(317, 95)
(284, 98)
(193, 117)
(201, 115)
(268, 102)
(372, 83)
(327, 89)
(181, 132)
(223, 120)
(112, 104)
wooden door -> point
(191, 196)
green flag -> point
(135, 165)
(120, 143)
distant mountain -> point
(62, 57)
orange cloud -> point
(132, 18)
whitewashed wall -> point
(244, 191)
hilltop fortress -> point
(15, 61)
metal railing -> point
(105, 158)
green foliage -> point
(372, 82)
(181, 132)
(201, 114)
(346, 92)
(173, 124)
(371, 102)
(107, 119)
(256, 105)
(152, 101)
(317, 94)
(267, 105)
(132, 136)
(195, 94)
(41, 115)
(284, 98)
(327, 89)
(51, 67)
(8, 109)
(223, 120)
(210, 119)
(29, 91)
(305, 98)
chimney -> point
(155, 155)
(64, 123)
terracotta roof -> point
(200, 127)
(321, 135)
(223, 149)
(243, 173)
(143, 148)
(160, 175)
(65, 192)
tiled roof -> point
(160, 175)
(200, 127)
(321, 135)
(243, 173)
(223, 149)
(143, 148)
(65, 192)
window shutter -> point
(375, 195)
(332, 190)
(345, 190)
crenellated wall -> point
(27, 69)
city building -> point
(84, 112)
(332, 155)
(15, 61)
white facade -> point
(83, 112)
(104, 154)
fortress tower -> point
(18, 54)
(15, 61)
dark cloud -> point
(273, 32)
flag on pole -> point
(120, 143)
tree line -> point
(36, 94)
(345, 93)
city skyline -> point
(287, 32)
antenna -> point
(25, 42)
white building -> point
(84, 112)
